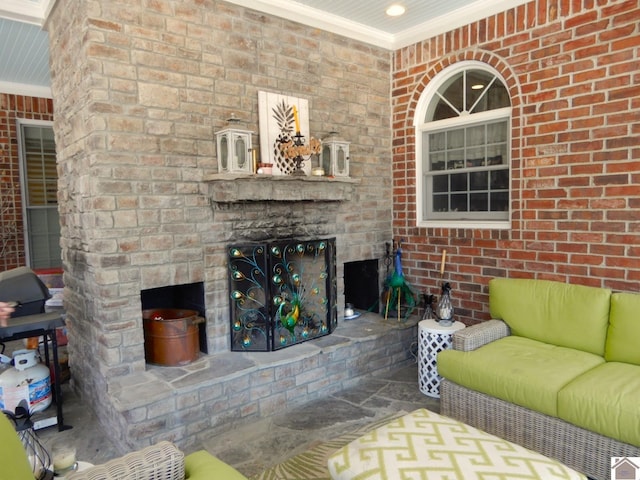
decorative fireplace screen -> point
(281, 293)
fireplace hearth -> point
(281, 293)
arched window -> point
(463, 124)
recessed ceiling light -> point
(395, 10)
(477, 86)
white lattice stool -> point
(432, 338)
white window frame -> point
(29, 259)
(420, 127)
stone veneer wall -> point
(139, 89)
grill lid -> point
(22, 285)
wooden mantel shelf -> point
(237, 188)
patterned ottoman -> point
(424, 445)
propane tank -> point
(28, 380)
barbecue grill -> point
(23, 286)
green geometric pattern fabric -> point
(426, 446)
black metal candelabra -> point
(299, 152)
(299, 159)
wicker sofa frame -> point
(585, 451)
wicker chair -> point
(160, 461)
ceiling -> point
(24, 56)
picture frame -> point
(277, 126)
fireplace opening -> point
(183, 297)
(281, 293)
(361, 284)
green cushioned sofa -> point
(556, 370)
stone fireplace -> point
(139, 90)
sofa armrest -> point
(475, 336)
(13, 456)
(201, 465)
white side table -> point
(432, 338)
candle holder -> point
(335, 155)
(235, 153)
(63, 456)
(299, 152)
(444, 310)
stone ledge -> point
(239, 188)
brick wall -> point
(572, 71)
(12, 108)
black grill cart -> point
(22, 285)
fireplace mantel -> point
(240, 188)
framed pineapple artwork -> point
(278, 126)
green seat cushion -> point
(13, 457)
(624, 329)
(201, 465)
(519, 370)
(574, 316)
(605, 400)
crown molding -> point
(332, 23)
(320, 19)
(34, 12)
(457, 18)
(26, 90)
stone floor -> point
(254, 447)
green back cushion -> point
(573, 316)
(13, 457)
(624, 329)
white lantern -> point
(234, 148)
(335, 156)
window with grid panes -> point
(40, 194)
(462, 141)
